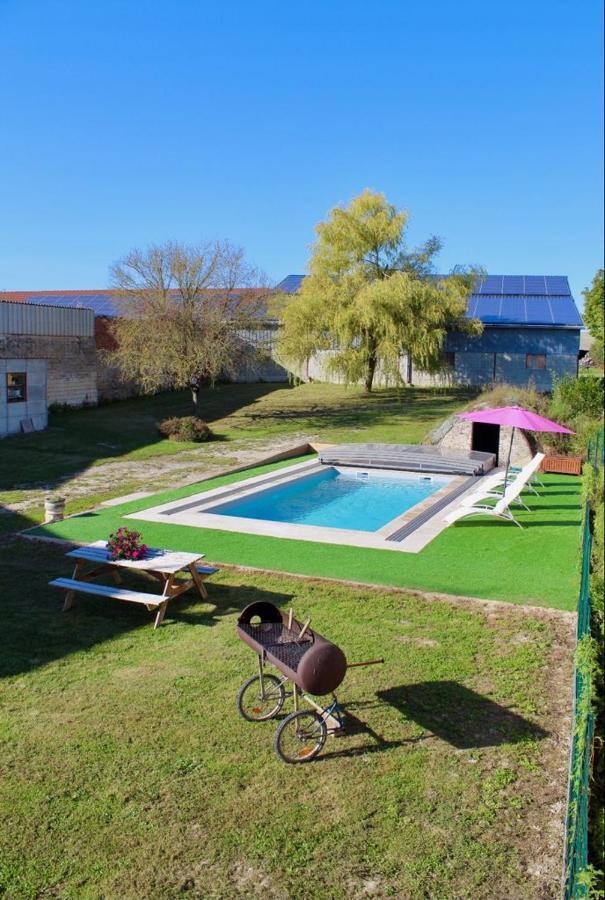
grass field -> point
(126, 772)
(237, 413)
(477, 557)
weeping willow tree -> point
(368, 299)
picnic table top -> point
(155, 560)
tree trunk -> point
(195, 397)
(409, 368)
(370, 372)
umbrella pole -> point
(510, 450)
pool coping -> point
(409, 533)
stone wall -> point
(498, 356)
(71, 364)
(111, 385)
(457, 434)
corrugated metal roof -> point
(21, 318)
(508, 300)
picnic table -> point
(164, 565)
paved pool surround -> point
(409, 532)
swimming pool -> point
(333, 498)
(332, 504)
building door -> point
(486, 438)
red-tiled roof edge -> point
(25, 295)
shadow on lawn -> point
(363, 411)
(36, 632)
(79, 438)
(444, 709)
(354, 726)
(527, 523)
(226, 600)
(460, 716)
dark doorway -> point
(486, 438)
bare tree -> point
(185, 309)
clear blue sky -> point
(126, 122)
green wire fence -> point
(575, 882)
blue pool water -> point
(336, 499)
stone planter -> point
(562, 465)
(54, 509)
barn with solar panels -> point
(531, 333)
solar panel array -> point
(509, 300)
(101, 304)
(509, 309)
(496, 300)
(290, 284)
(527, 285)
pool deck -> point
(195, 512)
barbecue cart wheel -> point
(300, 737)
(256, 702)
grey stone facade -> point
(498, 356)
(55, 350)
(71, 365)
(457, 434)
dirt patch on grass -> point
(418, 641)
(156, 472)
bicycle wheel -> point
(258, 702)
(300, 737)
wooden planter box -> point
(563, 465)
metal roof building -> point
(47, 355)
(531, 300)
(531, 329)
(531, 333)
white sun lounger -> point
(488, 487)
(500, 511)
(528, 473)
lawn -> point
(238, 413)
(126, 772)
(478, 557)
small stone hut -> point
(458, 434)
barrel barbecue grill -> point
(304, 657)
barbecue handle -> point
(370, 662)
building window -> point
(449, 359)
(535, 360)
(16, 387)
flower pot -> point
(54, 509)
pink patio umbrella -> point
(515, 417)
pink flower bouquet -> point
(126, 544)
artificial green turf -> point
(478, 557)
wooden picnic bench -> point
(164, 565)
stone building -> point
(458, 434)
(105, 306)
(47, 355)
